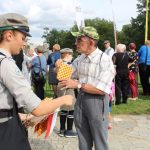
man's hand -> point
(68, 83)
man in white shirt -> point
(94, 71)
(108, 49)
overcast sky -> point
(60, 14)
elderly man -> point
(94, 71)
(108, 49)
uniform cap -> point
(13, 21)
(87, 31)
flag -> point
(51, 122)
(79, 16)
(46, 125)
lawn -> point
(141, 106)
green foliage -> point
(135, 32)
(65, 39)
(104, 28)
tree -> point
(135, 32)
(65, 39)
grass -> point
(141, 106)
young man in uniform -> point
(94, 71)
(15, 91)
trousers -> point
(91, 121)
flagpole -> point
(114, 25)
(146, 22)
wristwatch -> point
(79, 86)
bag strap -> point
(122, 58)
(40, 65)
(101, 56)
(2, 58)
(146, 55)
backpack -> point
(38, 77)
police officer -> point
(15, 91)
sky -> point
(60, 14)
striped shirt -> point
(95, 70)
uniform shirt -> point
(14, 85)
(142, 55)
(110, 52)
(94, 70)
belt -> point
(85, 93)
(5, 113)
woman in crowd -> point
(121, 60)
(52, 58)
(133, 69)
(39, 72)
(15, 91)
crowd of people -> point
(98, 78)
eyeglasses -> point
(82, 39)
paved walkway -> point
(129, 133)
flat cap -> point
(87, 31)
(40, 49)
(106, 41)
(66, 50)
(13, 21)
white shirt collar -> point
(5, 52)
(93, 54)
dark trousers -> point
(121, 88)
(91, 121)
(66, 116)
(13, 134)
(144, 78)
(39, 89)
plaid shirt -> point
(95, 70)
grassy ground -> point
(141, 106)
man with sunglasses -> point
(108, 49)
(94, 71)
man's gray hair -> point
(121, 48)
